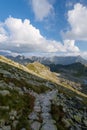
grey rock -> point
(33, 116)
(4, 107)
(49, 127)
(37, 108)
(12, 118)
(23, 129)
(13, 112)
(15, 123)
(85, 122)
(51, 121)
(7, 127)
(4, 92)
(46, 109)
(35, 125)
(5, 72)
(46, 116)
(2, 123)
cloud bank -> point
(22, 37)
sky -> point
(44, 27)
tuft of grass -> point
(23, 104)
(58, 114)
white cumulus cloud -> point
(42, 9)
(77, 18)
(22, 36)
(70, 46)
(17, 35)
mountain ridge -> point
(52, 76)
(49, 60)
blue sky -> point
(44, 26)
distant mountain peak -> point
(63, 60)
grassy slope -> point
(43, 73)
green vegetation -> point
(76, 69)
(42, 71)
(22, 104)
(14, 79)
(21, 78)
(17, 80)
(58, 114)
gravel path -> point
(42, 110)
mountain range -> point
(49, 60)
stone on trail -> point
(49, 127)
(35, 125)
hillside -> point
(16, 98)
(33, 98)
(75, 72)
(42, 71)
(77, 69)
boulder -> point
(49, 126)
(13, 113)
(35, 125)
(7, 127)
(4, 92)
(37, 108)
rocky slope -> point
(42, 71)
(33, 98)
(75, 73)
